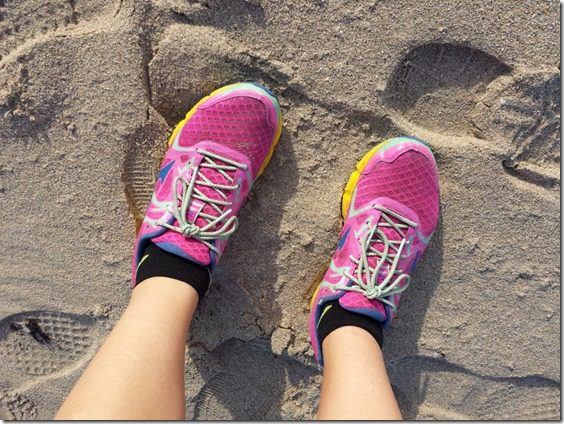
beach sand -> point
(89, 92)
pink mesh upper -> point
(242, 123)
(400, 178)
(238, 124)
(194, 248)
(411, 179)
(353, 300)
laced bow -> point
(365, 280)
(189, 191)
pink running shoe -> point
(390, 209)
(215, 154)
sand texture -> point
(89, 91)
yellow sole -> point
(345, 203)
(353, 179)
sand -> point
(89, 91)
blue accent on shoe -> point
(175, 250)
(414, 262)
(144, 241)
(419, 140)
(164, 171)
(343, 239)
(262, 87)
(213, 256)
(389, 315)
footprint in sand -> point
(43, 342)
(24, 20)
(14, 406)
(145, 150)
(225, 14)
(470, 395)
(251, 383)
(32, 19)
(190, 63)
(460, 91)
(219, 400)
(524, 109)
(179, 76)
(436, 85)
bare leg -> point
(139, 371)
(355, 382)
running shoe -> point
(215, 154)
(390, 209)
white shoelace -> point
(365, 281)
(190, 192)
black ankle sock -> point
(160, 263)
(334, 316)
